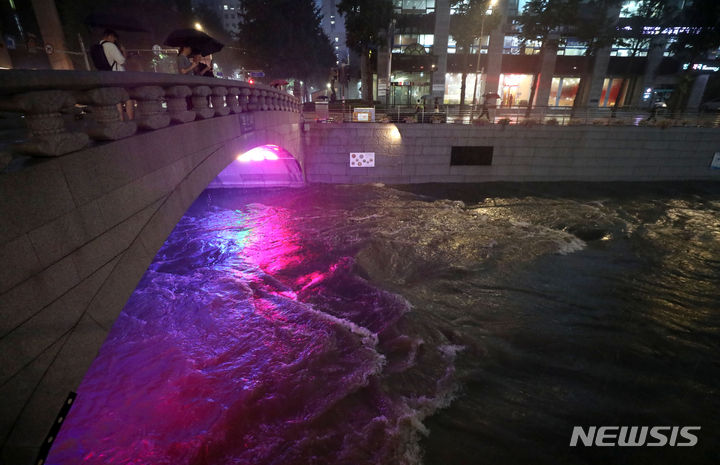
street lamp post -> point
(478, 71)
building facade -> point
(426, 63)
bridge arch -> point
(80, 229)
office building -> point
(425, 63)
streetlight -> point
(198, 26)
(478, 71)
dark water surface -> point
(435, 324)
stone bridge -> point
(86, 208)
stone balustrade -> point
(160, 99)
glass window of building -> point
(452, 45)
(515, 7)
(418, 7)
(514, 89)
(563, 91)
(401, 41)
(408, 88)
(453, 86)
(458, 7)
(630, 8)
(610, 92)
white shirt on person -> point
(114, 56)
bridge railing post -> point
(106, 118)
(232, 100)
(254, 100)
(150, 113)
(200, 103)
(245, 94)
(176, 98)
(218, 101)
(46, 126)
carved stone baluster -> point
(232, 100)
(150, 112)
(264, 100)
(200, 103)
(245, 98)
(48, 136)
(104, 110)
(218, 101)
(177, 97)
(254, 104)
(274, 103)
(285, 103)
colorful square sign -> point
(362, 159)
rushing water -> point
(438, 324)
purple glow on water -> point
(264, 152)
(241, 344)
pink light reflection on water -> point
(179, 366)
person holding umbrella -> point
(188, 40)
(184, 65)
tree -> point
(541, 22)
(465, 27)
(284, 39)
(702, 17)
(597, 28)
(631, 35)
(366, 24)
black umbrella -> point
(197, 40)
(118, 22)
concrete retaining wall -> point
(418, 153)
(76, 235)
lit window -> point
(225, 7)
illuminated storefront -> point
(514, 89)
(453, 83)
(563, 91)
(408, 88)
(610, 92)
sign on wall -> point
(715, 163)
(362, 159)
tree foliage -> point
(366, 22)
(541, 19)
(648, 13)
(284, 39)
(466, 26)
(703, 17)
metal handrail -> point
(548, 116)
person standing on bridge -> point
(184, 65)
(115, 55)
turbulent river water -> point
(435, 324)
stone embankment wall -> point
(420, 153)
